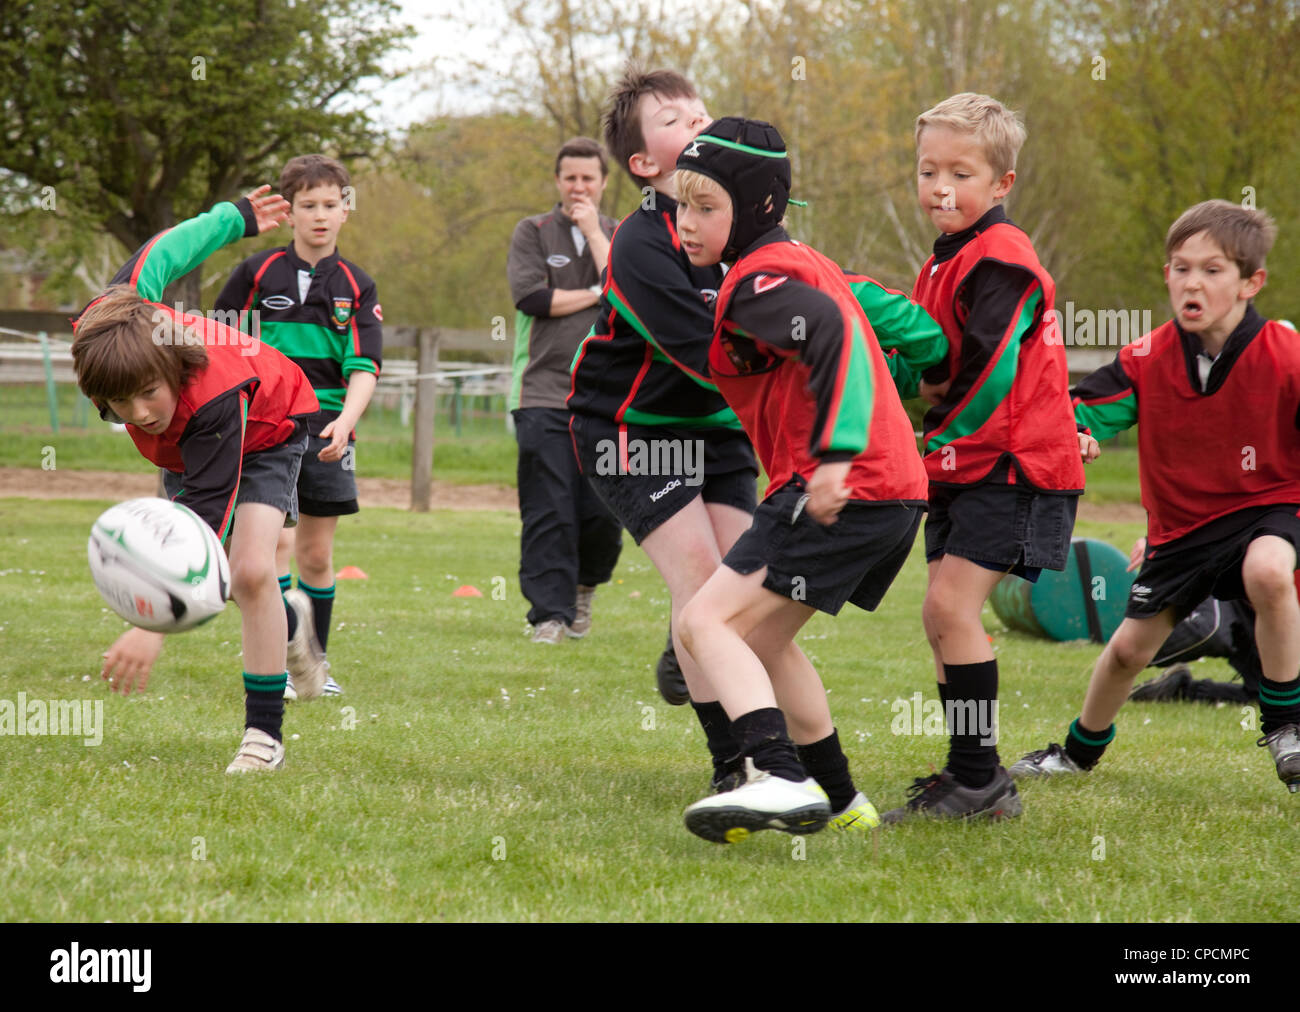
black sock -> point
(970, 707)
(826, 763)
(764, 738)
(1279, 704)
(285, 582)
(264, 703)
(1085, 746)
(720, 736)
(322, 603)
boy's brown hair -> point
(582, 147)
(622, 118)
(123, 343)
(1000, 132)
(1244, 234)
(307, 171)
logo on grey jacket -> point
(557, 260)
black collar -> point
(775, 234)
(948, 246)
(1251, 324)
(299, 264)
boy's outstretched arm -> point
(173, 253)
(1105, 401)
(911, 339)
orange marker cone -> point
(465, 590)
(351, 573)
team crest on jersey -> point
(278, 302)
(766, 282)
(342, 312)
(557, 260)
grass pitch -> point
(468, 775)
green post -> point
(457, 407)
(50, 392)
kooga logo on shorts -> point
(656, 496)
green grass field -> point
(467, 775)
(482, 453)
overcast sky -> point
(441, 48)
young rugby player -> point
(847, 487)
(1215, 393)
(323, 312)
(228, 427)
(639, 390)
(1000, 443)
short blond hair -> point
(693, 185)
(999, 131)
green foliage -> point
(142, 115)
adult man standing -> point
(570, 542)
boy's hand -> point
(270, 209)
(1136, 556)
(129, 660)
(338, 436)
(1089, 448)
(934, 393)
(827, 491)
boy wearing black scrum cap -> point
(847, 486)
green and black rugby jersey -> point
(646, 360)
(327, 319)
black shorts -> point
(1181, 574)
(266, 476)
(854, 559)
(327, 489)
(1006, 528)
(663, 469)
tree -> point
(139, 115)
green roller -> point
(1084, 602)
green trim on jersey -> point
(625, 311)
(523, 337)
(359, 363)
(851, 428)
(1109, 419)
(723, 419)
(985, 399)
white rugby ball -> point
(158, 565)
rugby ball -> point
(158, 565)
